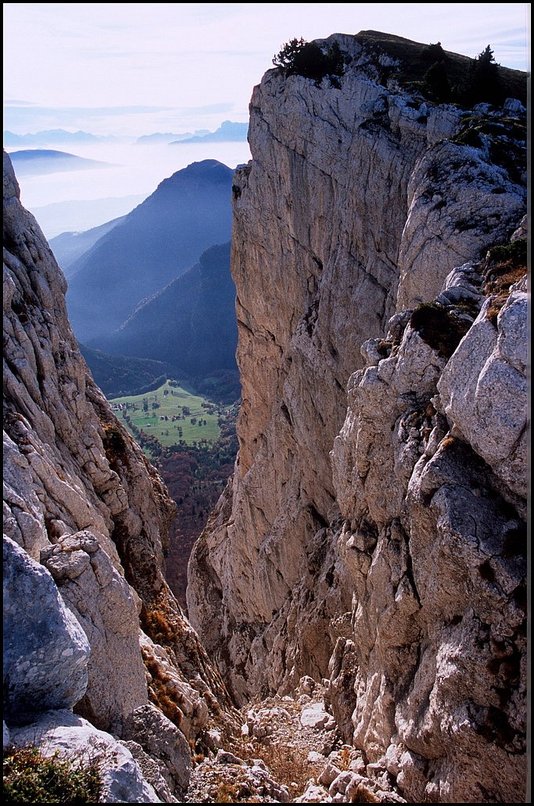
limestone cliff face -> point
(376, 538)
(80, 498)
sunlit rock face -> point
(375, 536)
(81, 499)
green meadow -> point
(171, 415)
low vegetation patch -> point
(445, 77)
(504, 266)
(31, 777)
(439, 328)
(114, 444)
(288, 764)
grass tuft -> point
(31, 777)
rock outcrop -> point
(89, 517)
(45, 649)
(377, 538)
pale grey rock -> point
(448, 515)
(522, 231)
(362, 535)
(45, 649)
(445, 514)
(71, 736)
(334, 281)
(191, 704)
(151, 772)
(453, 217)
(86, 577)
(366, 451)
(340, 783)
(262, 781)
(315, 716)
(307, 685)
(329, 773)
(23, 523)
(225, 757)
(484, 390)
(164, 742)
(215, 780)
(515, 106)
(350, 787)
(313, 794)
(214, 739)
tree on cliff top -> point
(484, 80)
(298, 57)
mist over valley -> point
(74, 201)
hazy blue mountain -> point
(168, 137)
(154, 244)
(49, 137)
(228, 132)
(190, 324)
(69, 246)
(46, 161)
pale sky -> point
(137, 68)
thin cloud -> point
(208, 108)
(22, 107)
(16, 102)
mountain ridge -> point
(43, 161)
(161, 238)
(228, 132)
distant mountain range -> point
(168, 137)
(45, 161)
(152, 246)
(228, 132)
(190, 324)
(50, 137)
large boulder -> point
(163, 741)
(484, 389)
(45, 649)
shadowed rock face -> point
(80, 497)
(377, 538)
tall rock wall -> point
(81, 499)
(376, 538)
